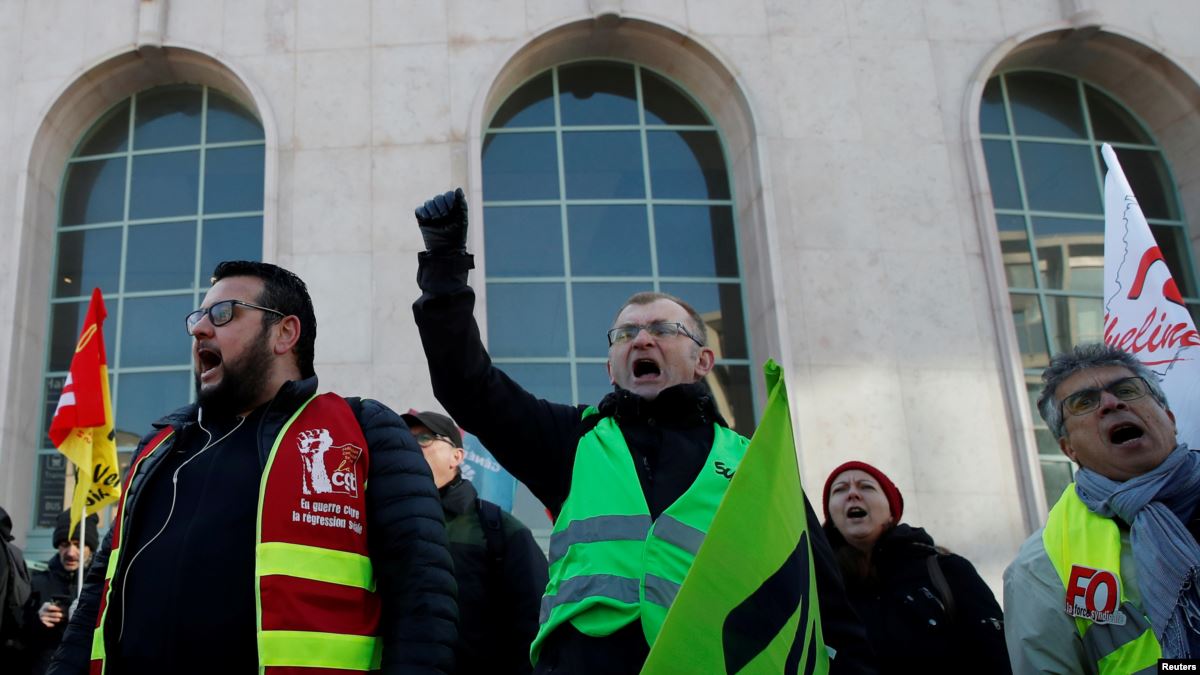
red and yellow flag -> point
(82, 427)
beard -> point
(241, 384)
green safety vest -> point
(610, 565)
(316, 602)
(1085, 550)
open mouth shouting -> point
(856, 514)
(1125, 433)
(646, 369)
(208, 360)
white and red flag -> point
(82, 427)
(1144, 312)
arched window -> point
(164, 185)
(1041, 137)
(602, 179)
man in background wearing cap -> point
(500, 570)
(55, 588)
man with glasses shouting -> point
(1108, 585)
(266, 528)
(631, 482)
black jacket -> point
(535, 440)
(907, 618)
(40, 641)
(407, 538)
(498, 600)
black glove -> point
(443, 223)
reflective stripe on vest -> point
(609, 564)
(1075, 536)
(98, 656)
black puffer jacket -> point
(535, 440)
(498, 600)
(407, 538)
(907, 617)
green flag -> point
(749, 603)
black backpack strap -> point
(941, 585)
(493, 531)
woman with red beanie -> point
(926, 610)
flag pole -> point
(82, 562)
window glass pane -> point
(66, 322)
(1111, 122)
(520, 166)
(603, 165)
(1060, 178)
(1152, 185)
(695, 241)
(549, 381)
(992, 119)
(52, 391)
(1002, 174)
(153, 333)
(111, 133)
(164, 185)
(594, 383)
(596, 305)
(1047, 445)
(52, 488)
(666, 104)
(1014, 247)
(527, 319)
(88, 259)
(233, 179)
(142, 398)
(1074, 321)
(167, 116)
(731, 389)
(94, 192)
(1071, 253)
(228, 121)
(1044, 104)
(597, 93)
(720, 305)
(161, 256)
(1031, 331)
(523, 241)
(1171, 242)
(532, 105)
(611, 240)
(687, 165)
(228, 239)
(1057, 476)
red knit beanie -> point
(894, 499)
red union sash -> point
(318, 609)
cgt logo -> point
(1094, 594)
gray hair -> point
(1084, 357)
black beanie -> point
(91, 535)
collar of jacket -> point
(458, 497)
(287, 400)
(683, 405)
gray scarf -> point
(1156, 505)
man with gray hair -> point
(1108, 585)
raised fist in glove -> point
(443, 223)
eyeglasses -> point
(221, 313)
(424, 439)
(658, 329)
(1085, 401)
